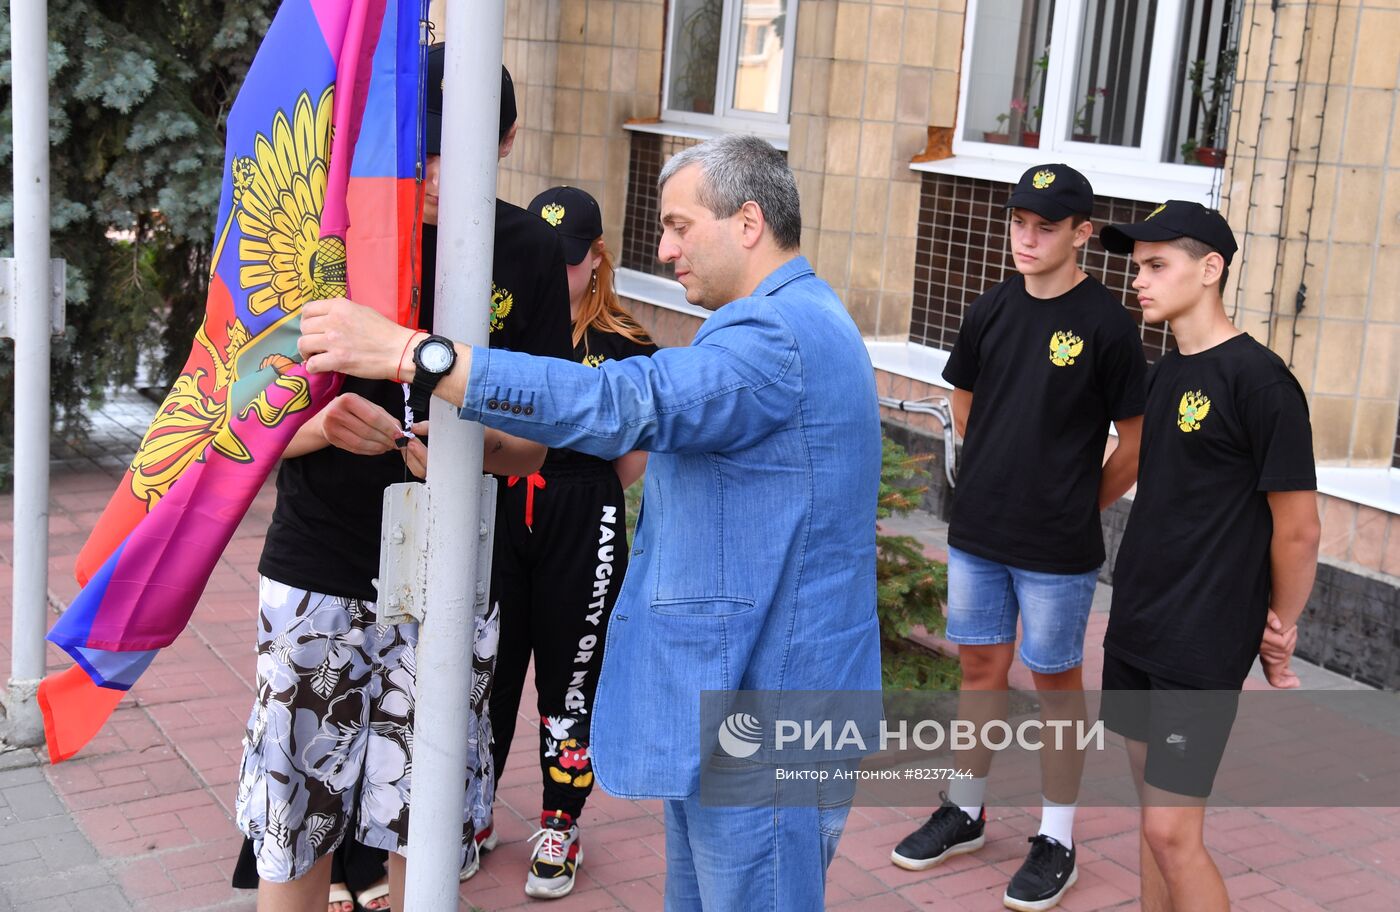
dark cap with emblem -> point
(575, 215)
(1053, 192)
(437, 62)
(1169, 221)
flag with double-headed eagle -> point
(319, 198)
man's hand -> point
(357, 425)
(1276, 653)
(340, 335)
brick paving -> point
(142, 818)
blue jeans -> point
(985, 598)
(759, 859)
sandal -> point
(339, 898)
(374, 894)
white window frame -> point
(726, 117)
(1116, 171)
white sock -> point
(968, 794)
(1057, 821)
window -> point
(729, 63)
(963, 250)
(1137, 82)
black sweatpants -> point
(556, 580)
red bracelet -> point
(398, 368)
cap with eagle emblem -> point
(575, 215)
(1171, 220)
(1054, 191)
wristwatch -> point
(433, 359)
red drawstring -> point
(531, 482)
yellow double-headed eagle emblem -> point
(553, 213)
(1042, 179)
(1064, 348)
(501, 303)
(1192, 411)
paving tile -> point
(151, 796)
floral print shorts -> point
(330, 739)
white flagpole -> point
(466, 231)
(32, 310)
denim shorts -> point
(985, 598)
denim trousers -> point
(756, 859)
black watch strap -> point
(420, 391)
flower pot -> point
(1085, 137)
(1210, 156)
(1030, 140)
(999, 139)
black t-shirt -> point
(593, 349)
(1047, 377)
(324, 534)
(1191, 586)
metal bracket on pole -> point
(485, 548)
(403, 551)
(58, 294)
(403, 554)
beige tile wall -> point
(1360, 535)
(868, 80)
(1345, 345)
(581, 68)
(870, 77)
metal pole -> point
(466, 235)
(29, 45)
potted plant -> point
(1084, 116)
(1208, 95)
(1021, 111)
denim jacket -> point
(753, 566)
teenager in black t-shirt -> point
(1043, 363)
(560, 556)
(320, 653)
(1221, 546)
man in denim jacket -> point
(754, 561)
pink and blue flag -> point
(320, 198)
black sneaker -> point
(949, 831)
(1046, 874)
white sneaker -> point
(556, 858)
(486, 840)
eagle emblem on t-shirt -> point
(1065, 346)
(593, 360)
(1192, 411)
(501, 303)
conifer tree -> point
(138, 94)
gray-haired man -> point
(754, 563)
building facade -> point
(907, 121)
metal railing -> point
(942, 411)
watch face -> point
(434, 356)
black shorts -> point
(1185, 727)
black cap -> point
(436, 65)
(1169, 221)
(575, 215)
(1054, 192)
